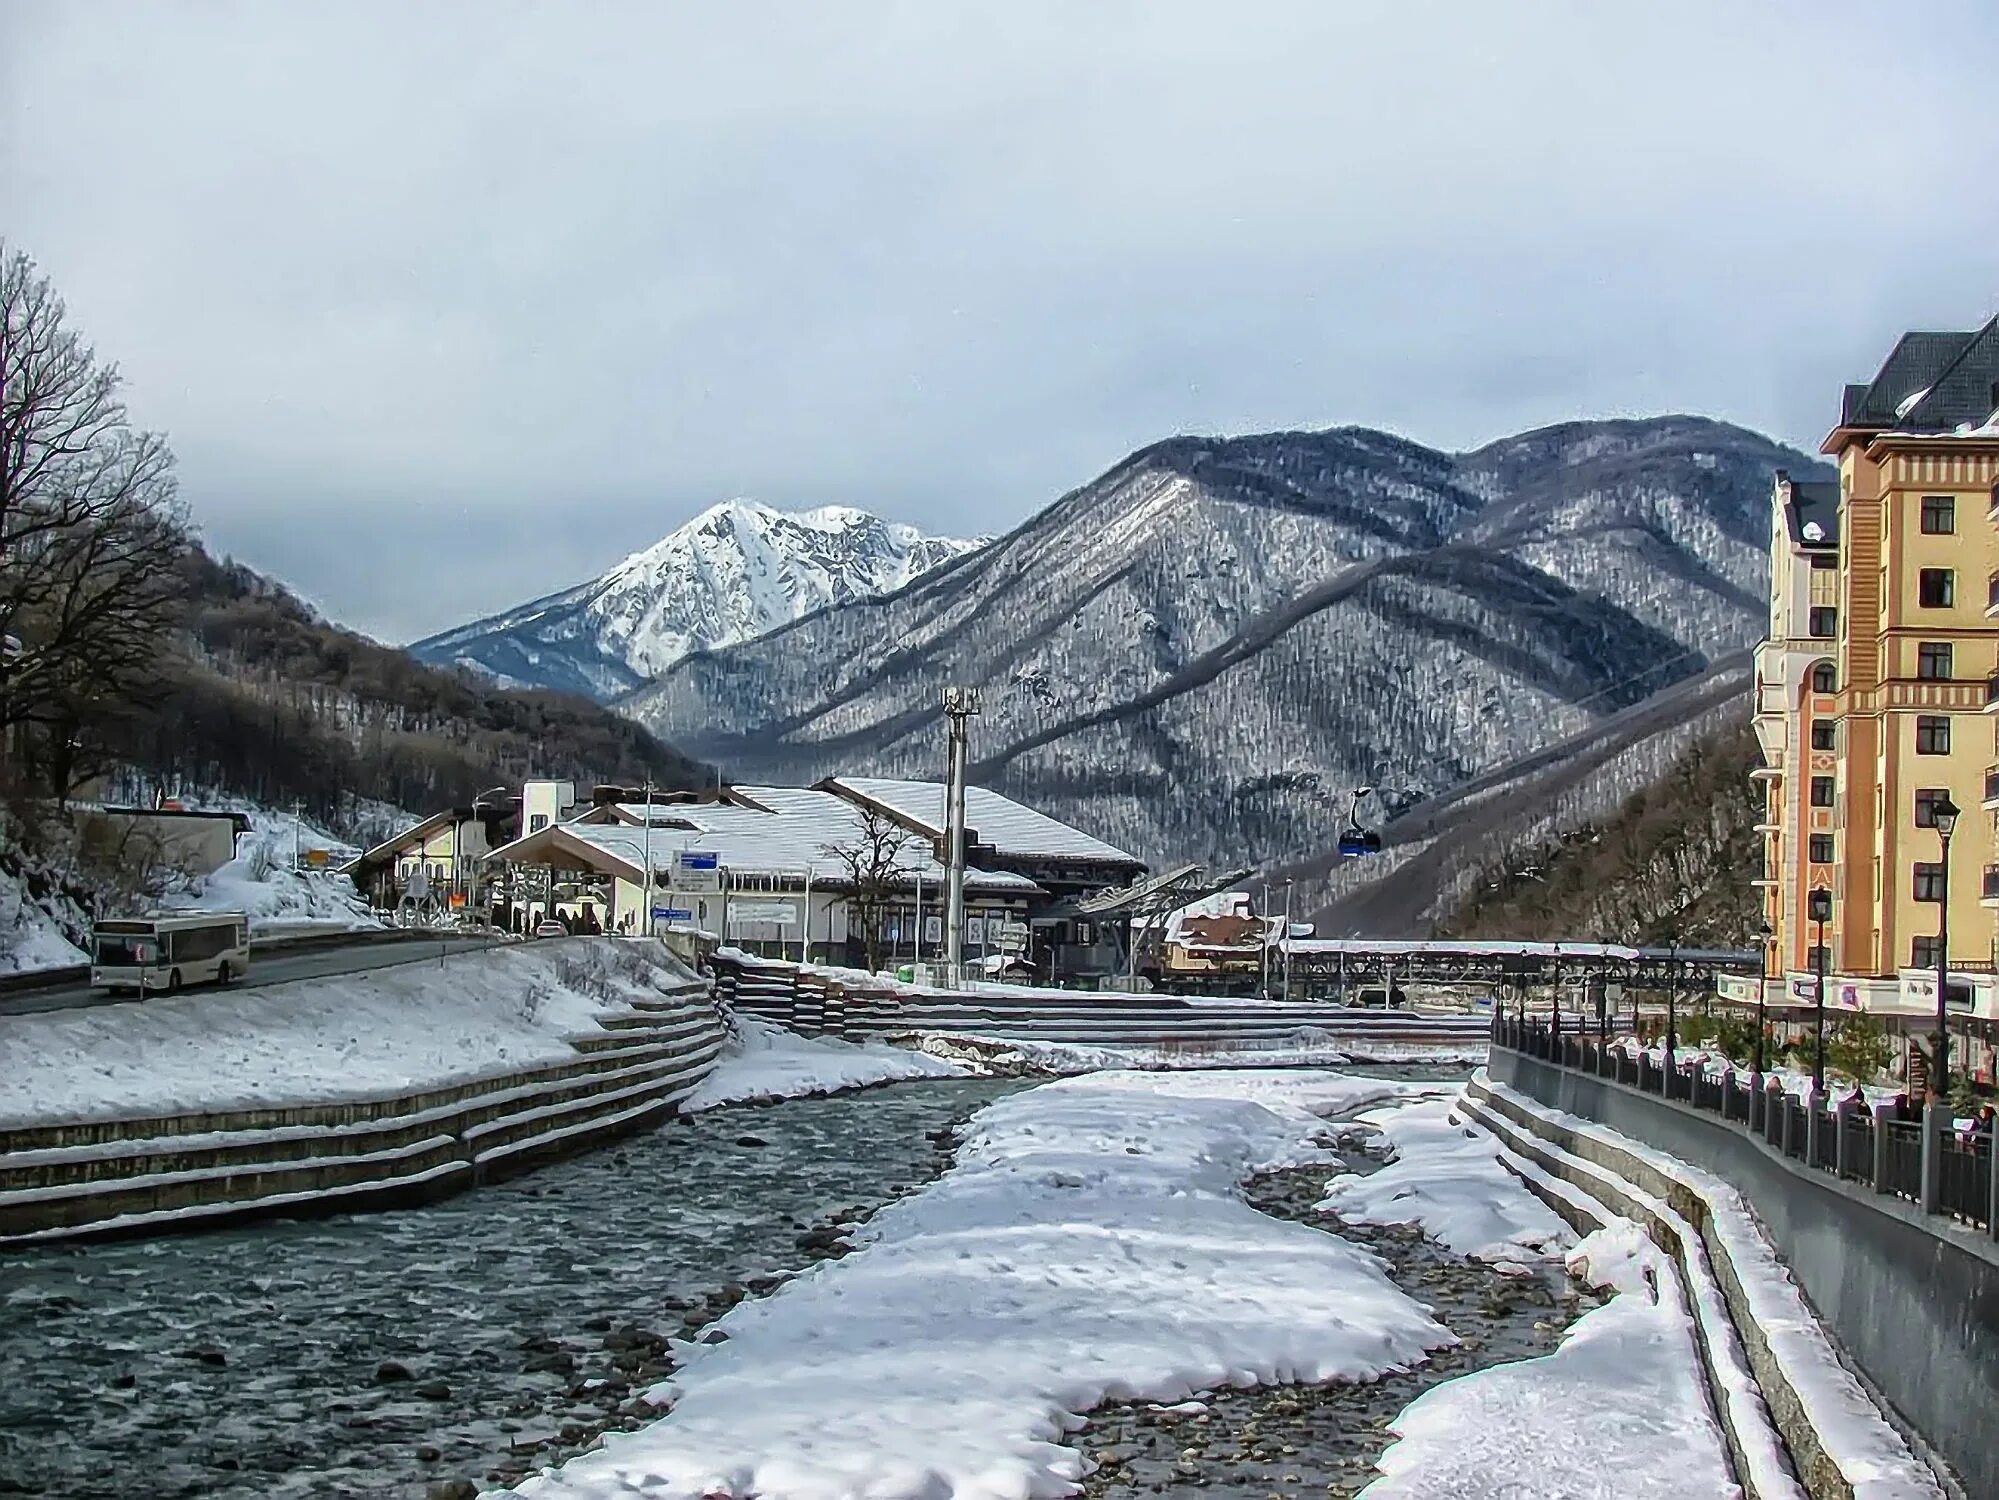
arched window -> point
(1824, 678)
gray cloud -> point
(448, 305)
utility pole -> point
(651, 927)
(1263, 927)
(1946, 816)
(1287, 938)
(960, 704)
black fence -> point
(1929, 1164)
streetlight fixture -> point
(1762, 988)
(1946, 816)
(1818, 906)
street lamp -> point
(1946, 816)
(1762, 988)
(1818, 906)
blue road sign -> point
(697, 859)
(671, 914)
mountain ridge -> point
(1196, 653)
(731, 573)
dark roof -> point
(1956, 374)
(1812, 501)
(239, 821)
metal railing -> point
(1924, 1161)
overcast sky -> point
(448, 305)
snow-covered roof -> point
(787, 833)
(999, 822)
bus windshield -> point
(122, 950)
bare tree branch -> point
(876, 870)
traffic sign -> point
(697, 859)
(671, 914)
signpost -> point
(697, 872)
(672, 914)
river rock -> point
(751, 1140)
(427, 1453)
(433, 1390)
(390, 1371)
(451, 1489)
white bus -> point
(170, 950)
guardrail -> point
(1925, 1161)
(297, 942)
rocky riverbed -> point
(1322, 1440)
(444, 1349)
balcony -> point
(1992, 694)
(1776, 773)
(1992, 597)
(1992, 786)
(1988, 886)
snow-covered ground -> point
(1090, 1243)
(261, 882)
(770, 1063)
(1617, 1412)
(413, 1025)
(30, 937)
(1444, 1176)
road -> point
(272, 967)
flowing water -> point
(269, 1360)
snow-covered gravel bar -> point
(1092, 1243)
(766, 1063)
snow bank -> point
(1617, 1412)
(1446, 1178)
(30, 938)
(261, 883)
(1090, 1243)
(410, 1026)
(771, 1063)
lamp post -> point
(1946, 815)
(1762, 988)
(1818, 906)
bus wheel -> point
(222, 974)
(173, 982)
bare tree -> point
(874, 867)
(91, 536)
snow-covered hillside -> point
(1199, 653)
(733, 572)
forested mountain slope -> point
(1198, 653)
(257, 695)
(1671, 864)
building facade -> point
(1874, 683)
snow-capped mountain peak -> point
(736, 570)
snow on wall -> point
(411, 1026)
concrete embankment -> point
(373, 1090)
(1761, 1343)
(840, 1002)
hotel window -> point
(1936, 588)
(1817, 959)
(1932, 734)
(1824, 733)
(1923, 953)
(1821, 849)
(1821, 791)
(1933, 659)
(1939, 515)
(1926, 805)
(1825, 561)
(538, 822)
(1824, 678)
(1824, 621)
(1928, 882)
